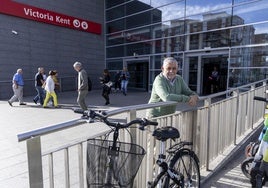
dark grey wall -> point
(52, 47)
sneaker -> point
(84, 117)
(107, 103)
(22, 103)
(35, 101)
(9, 103)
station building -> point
(229, 35)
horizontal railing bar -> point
(139, 107)
(76, 122)
(49, 129)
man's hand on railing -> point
(193, 100)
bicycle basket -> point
(125, 165)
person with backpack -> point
(82, 88)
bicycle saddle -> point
(165, 133)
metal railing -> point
(218, 123)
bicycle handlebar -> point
(260, 99)
(93, 115)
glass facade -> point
(231, 35)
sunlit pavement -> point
(229, 176)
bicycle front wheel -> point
(246, 165)
(186, 163)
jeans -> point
(40, 95)
(124, 86)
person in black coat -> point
(106, 85)
(117, 81)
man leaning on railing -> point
(169, 86)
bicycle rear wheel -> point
(186, 163)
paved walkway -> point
(229, 174)
(18, 119)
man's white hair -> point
(77, 64)
(169, 60)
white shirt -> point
(50, 85)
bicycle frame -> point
(163, 169)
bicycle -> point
(250, 152)
(112, 163)
(180, 168)
(259, 167)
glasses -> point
(171, 68)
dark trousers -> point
(105, 93)
(40, 95)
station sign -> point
(13, 8)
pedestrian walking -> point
(214, 80)
(82, 85)
(124, 77)
(57, 85)
(117, 81)
(17, 86)
(39, 81)
(106, 85)
(56, 81)
(50, 90)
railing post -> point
(252, 107)
(208, 105)
(236, 94)
(131, 115)
(81, 165)
(35, 162)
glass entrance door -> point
(138, 70)
(213, 83)
(198, 71)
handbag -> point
(109, 84)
